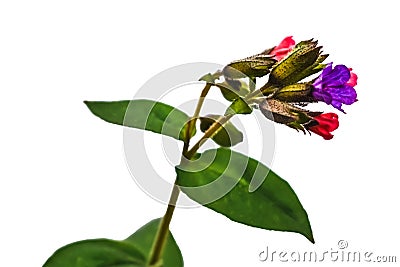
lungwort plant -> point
(242, 189)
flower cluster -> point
(286, 92)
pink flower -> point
(327, 123)
(283, 49)
(353, 78)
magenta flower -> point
(353, 78)
(283, 49)
(335, 86)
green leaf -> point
(143, 240)
(131, 252)
(258, 196)
(230, 89)
(239, 106)
(143, 114)
(97, 252)
(233, 89)
(228, 135)
(211, 78)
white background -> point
(63, 174)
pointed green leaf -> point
(131, 252)
(233, 89)
(97, 252)
(143, 240)
(272, 204)
(143, 114)
(228, 94)
(239, 106)
(226, 136)
(211, 78)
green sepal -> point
(313, 69)
(255, 66)
(299, 92)
(290, 115)
(301, 57)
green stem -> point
(192, 121)
(163, 229)
(252, 84)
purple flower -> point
(332, 87)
